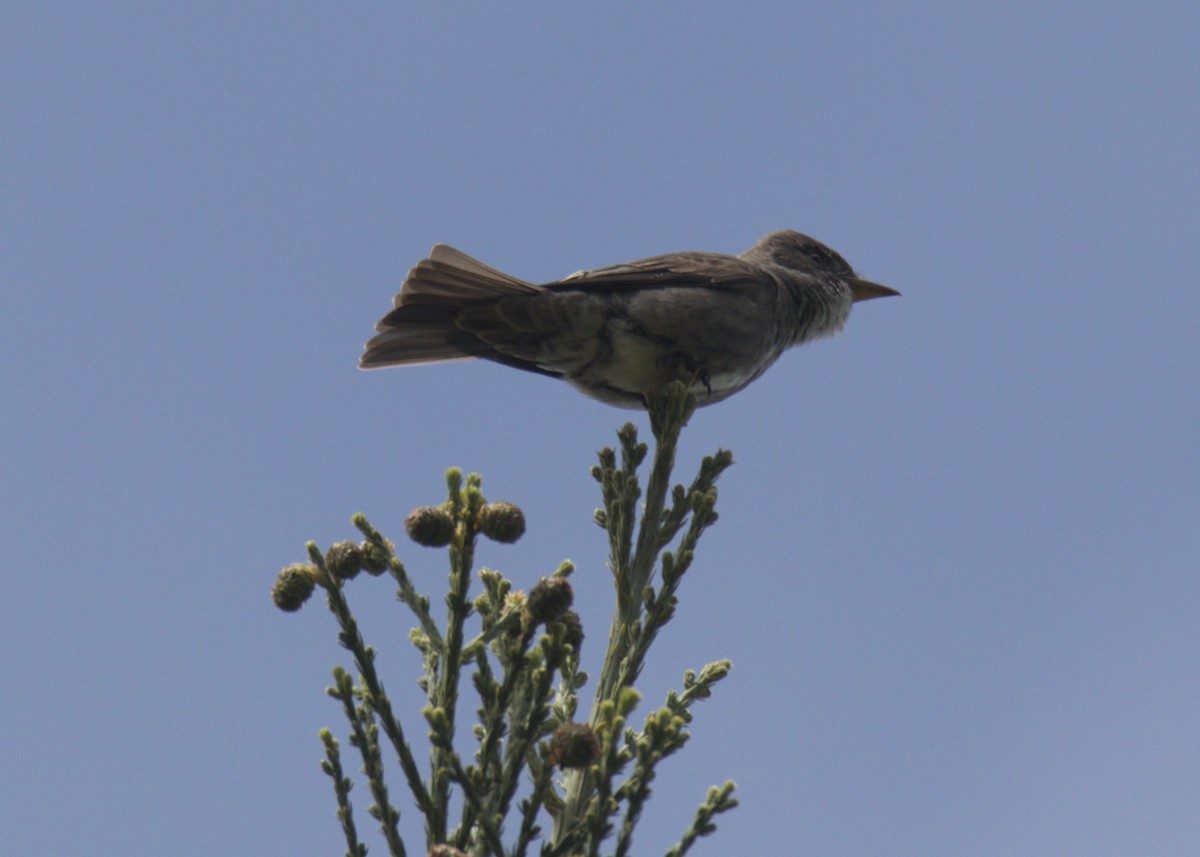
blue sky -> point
(956, 562)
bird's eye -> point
(817, 255)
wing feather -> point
(709, 270)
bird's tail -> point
(421, 328)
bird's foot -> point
(686, 369)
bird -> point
(714, 321)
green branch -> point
(523, 655)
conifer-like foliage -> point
(528, 759)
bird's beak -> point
(864, 290)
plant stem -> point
(669, 410)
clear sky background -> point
(956, 566)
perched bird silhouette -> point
(714, 321)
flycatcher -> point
(714, 321)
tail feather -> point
(450, 257)
(422, 326)
(416, 344)
(451, 275)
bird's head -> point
(798, 252)
(820, 283)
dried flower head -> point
(430, 526)
(344, 560)
(548, 600)
(502, 522)
(574, 633)
(574, 745)
(293, 586)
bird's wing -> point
(705, 270)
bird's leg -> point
(701, 375)
(688, 370)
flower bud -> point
(293, 587)
(502, 522)
(574, 745)
(430, 526)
